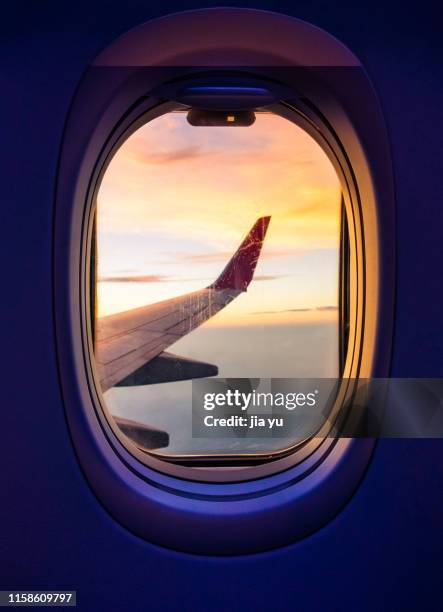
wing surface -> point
(127, 340)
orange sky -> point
(176, 201)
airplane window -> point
(217, 252)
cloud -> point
(282, 311)
(147, 278)
(225, 256)
(285, 310)
(268, 277)
(245, 155)
(158, 278)
(296, 310)
(168, 157)
(202, 257)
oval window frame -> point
(202, 503)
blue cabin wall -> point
(384, 550)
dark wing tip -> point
(241, 267)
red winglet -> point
(240, 269)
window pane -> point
(174, 206)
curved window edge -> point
(134, 493)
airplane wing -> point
(145, 437)
(129, 346)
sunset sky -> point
(177, 200)
(174, 205)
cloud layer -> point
(286, 310)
